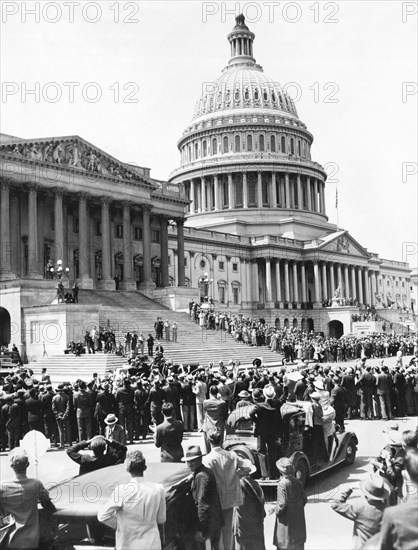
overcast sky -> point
(138, 69)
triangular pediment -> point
(340, 242)
(74, 153)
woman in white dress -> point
(329, 413)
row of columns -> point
(357, 282)
(83, 231)
(304, 193)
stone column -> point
(229, 192)
(286, 282)
(353, 283)
(278, 284)
(303, 281)
(346, 283)
(324, 281)
(59, 226)
(244, 190)
(259, 190)
(295, 283)
(216, 185)
(366, 286)
(300, 194)
(287, 190)
(128, 282)
(373, 288)
(33, 254)
(198, 198)
(180, 249)
(254, 282)
(323, 197)
(164, 250)
(316, 198)
(6, 245)
(273, 190)
(332, 279)
(269, 296)
(192, 194)
(203, 194)
(309, 193)
(106, 282)
(15, 233)
(84, 280)
(317, 297)
(248, 280)
(340, 278)
(147, 284)
(360, 285)
(243, 280)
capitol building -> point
(241, 222)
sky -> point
(126, 76)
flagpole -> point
(336, 206)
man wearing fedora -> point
(61, 408)
(168, 436)
(207, 512)
(114, 432)
(367, 512)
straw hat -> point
(194, 451)
(110, 419)
(373, 488)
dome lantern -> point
(241, 40)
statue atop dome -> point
(240, 22)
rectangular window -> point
(235, 267)
(222, 295)
(169, 260)
(137, 233)
(155, 236)
(221, 266)
(98, 228)
(119, 231)
(52, 221)
(235, 294)
(185, 262)
(75, 224)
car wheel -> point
(301, 471)
(350, 452)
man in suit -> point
(399, 529)
(99, 458)
(207, 512)
(169, 435)
(338, 401)
(224, 464)
(114, 432)
(384, 387)
(215, 412)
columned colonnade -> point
(255, 189)
(302, 282)
(10, 232)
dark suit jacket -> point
(216, 412)
(208, 509)
(89, 463)
(399, 529)
(168, 437)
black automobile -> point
(78, 500)
(294, 442)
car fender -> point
(344, 440)
(243, 451)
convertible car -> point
(294, 442)
(78, 500)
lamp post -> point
(204, 279)
(56, 270)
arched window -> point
(295, 323)
(277, 323)
(273, 144)
(292, 146)
(286, 323)
(256, 95)
(237, 95)
(283, 144)
(225, 144)
(196, 151)
(214, 146)
(265, 95)
(246, 94)
(249, 142)
(261, 142)
(205, 148)
(299, 149)
(237, 144)
(274, 99)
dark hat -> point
(194, 451)
(257, 362)
(60, 387)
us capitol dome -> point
(246, 160)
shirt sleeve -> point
(346, 510)
(387, 542)
(107, 513)
(161, 515)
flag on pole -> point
(336, 198)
